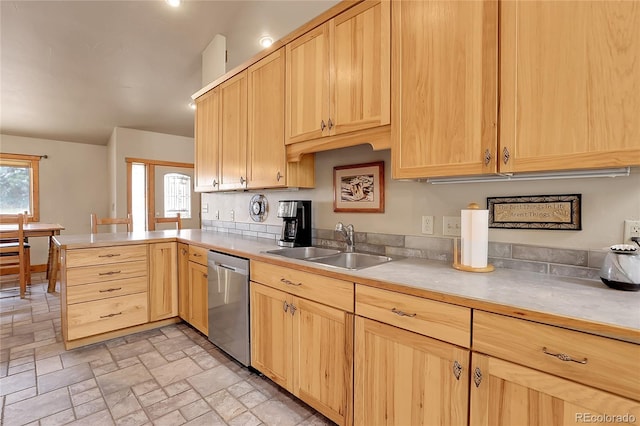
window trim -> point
(34, 162)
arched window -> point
(177, 195)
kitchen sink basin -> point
(303, 252)
(352, 260)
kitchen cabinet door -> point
(506, 394)
(206, 142)
(266, 156)
(444, 61)
(183, 281)
(361, 57)
(403, 378)
(271, 334)
(307, 81)
(569, 85)
(323, 358)
(198, 297)
(338, 75)
(163, 281)
(233, 132)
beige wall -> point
(73, 180)
(606, 203)
(140, 144)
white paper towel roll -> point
(474, 234)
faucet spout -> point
(347, 233)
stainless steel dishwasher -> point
(229, 304)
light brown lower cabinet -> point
(404, 378)
(504, 394)
(163, 281)
(193, 287)
(305, 347)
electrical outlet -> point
(451, 225)
(216, 215)
(232, 215)
(427, 224)
(631, 229)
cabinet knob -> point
(215, 183)
(285, 306)
(322, 125)
(279, 176)
(477, 376)
(457, 369)
(242, 180)
(330, 124)
(487, 157)
(505, 155)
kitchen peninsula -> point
(552, 323)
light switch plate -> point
(451, 225)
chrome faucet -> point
(347, 234)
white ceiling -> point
(74, 70)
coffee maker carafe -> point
(296, 223)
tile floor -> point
(167, 376)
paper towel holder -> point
(456, 260)
(459, 266)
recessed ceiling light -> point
(266, 41)
(173, 3)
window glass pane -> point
(15, 189)
(177, 195)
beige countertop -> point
(582, 304)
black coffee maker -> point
(296, 226)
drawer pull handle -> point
(563, 357)
(109, 255)
(285, 306)
(402, 314)
(110, 273)
(109, 290)
(287, 282)
(110, 315)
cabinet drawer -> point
(97, 291)
(329, 291)
(102, 273)
(602, 362)
(100, 316)
(439, 320)
(104, 255)
(198, 255)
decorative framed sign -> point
(359, 188)
(563, 212)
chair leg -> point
(27, 261)
(23, 279)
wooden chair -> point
(15, 252)
(177, 220)
(95, 221)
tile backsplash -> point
(544, 260)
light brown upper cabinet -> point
(444, 62)
(338, 75)
(206, 142)
(570, 85)
(267, 165)
(233, 132)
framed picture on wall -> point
(359, 188)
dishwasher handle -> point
(230, 268)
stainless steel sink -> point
(303, 252)
(351, 260)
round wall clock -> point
(258, 208)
